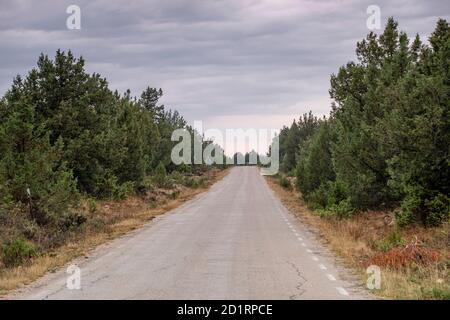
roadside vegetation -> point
(413, 260)
(376, 171)
(70, 147)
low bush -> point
(174, 194)
(91, 205)
(190, 182)
(29, 228)
(394, 239)
(71, 221)
(343, 208)
(160, 175)
(438, 210)
(437, 293)
(403, 257)
(284, 182)
(17, 252)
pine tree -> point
(33, 173)
(149, 100)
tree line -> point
(65, 135)
(385, 144)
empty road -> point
(235, 241)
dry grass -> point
(109, 220)
(414, 261)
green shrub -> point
(203, 181)
(30, 228)
(318, 199)
(147, 185)
(437, 293)
(112, 189)
(17, 252)
(124, 190)
(176, 177)
(337, 192)
(160, 173)
(324, 213)
(284, 182)
(409, 209)
(343, 209)
(438, 210)
(190, 182)
(183, 168)
(71, 221)
(174, 194)
(107, 185)
(394, 239)
(91, 204)
(331, 199)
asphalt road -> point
(236, 241)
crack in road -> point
(300, 284)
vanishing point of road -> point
(236, 241)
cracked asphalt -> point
(236, 241)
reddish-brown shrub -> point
(402, 257)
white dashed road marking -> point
(331, 277)
(342, 291)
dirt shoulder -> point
(414, 262)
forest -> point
(386, 142)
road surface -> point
(235, 241)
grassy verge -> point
(414, 261)
(105, 220)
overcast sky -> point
(234, 63)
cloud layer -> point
(252, 63)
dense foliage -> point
(386, 141)
(65, 135)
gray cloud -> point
(216, 60)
